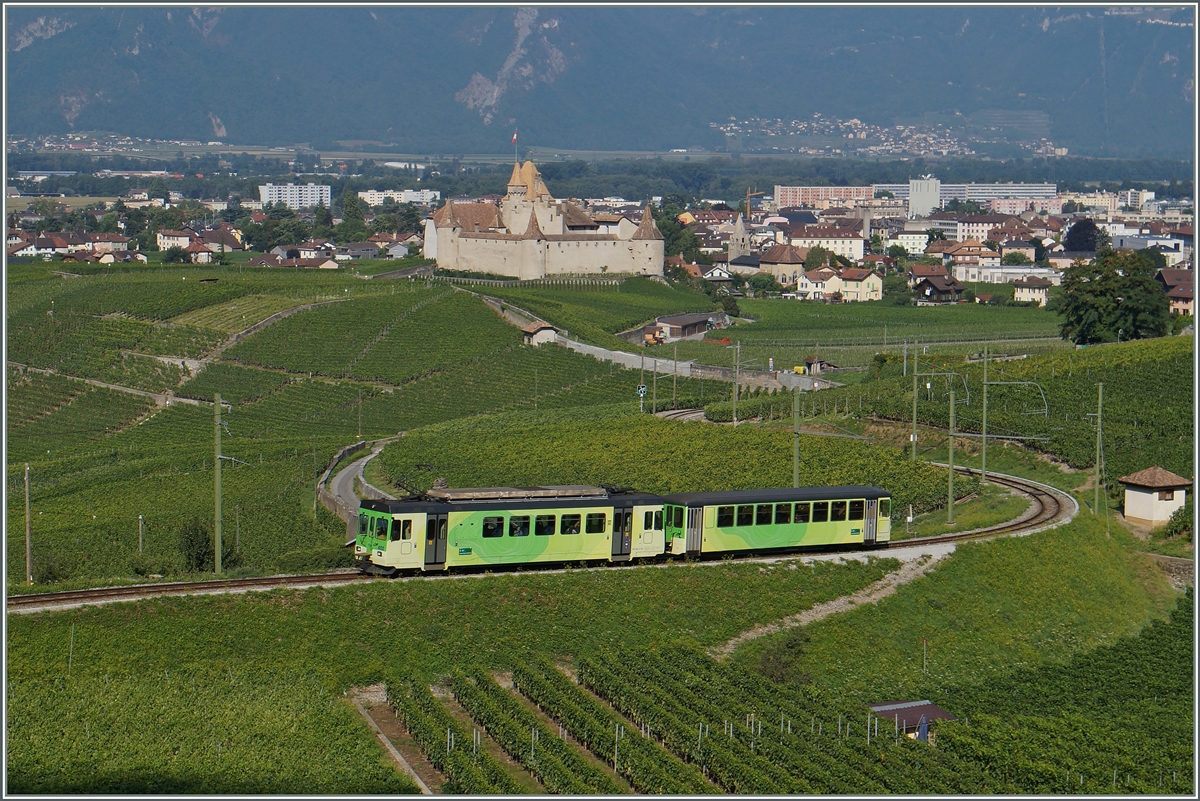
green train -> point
(495, 526)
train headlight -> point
(379, 554)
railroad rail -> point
(1049, 507)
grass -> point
(988, 610)
(991, 506)
(238, 314)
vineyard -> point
(1062, 424)
(618, 446)
(595, 314)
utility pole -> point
(535, 388)
(316, 475)
(950, 496)
(360, 414)
(217, 480)
(28, 532)
(796, 437)
(983, 469)
(906, 358)
(914, 431)
(140, 533)
(737, 363)
(1099, 450)
(675, 379)
(654, 388)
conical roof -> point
(646, 228)
(533, 231)
(515, 179)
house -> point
(121, 256)
(1181, 299)
(273, 260)
(718, 275)
(1152, 495)
(859, 284)
(937, 289)
(1032, 289)
(221, 239)
(176, 239)
(1021, 246)
(1062, 259)
(673, 327)
(22, 250)
(107, 242)
(916, 272)
(398, 250)
(357, 250)
(199, 253)
(881, 264)
(317, 249)
(817, 284)
(785, 262)
(539, 333)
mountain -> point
(441, 79)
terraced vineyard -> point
(1131, 373)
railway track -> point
(1049, 507)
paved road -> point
(342, 484)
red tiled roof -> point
(1155, 478)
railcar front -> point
(777, 519)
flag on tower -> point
(514, 136)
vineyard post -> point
(1099, 434)
(914, 431)
(654, 388)
(983, 469)
(535, 388)
(217, 481)
(795, 437)
(950, 495)
(29, 529)
(359, 424)
(316, 474)
(906, 358)
(140, 521)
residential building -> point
(924, 195)
(1031, 290)
(938, 289)
(794, 196)
(176, 239)
(817, 284)
(845, 242)
(860, 284)
(423, 197)
(296, 196)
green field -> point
(1041, 642)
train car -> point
(775, 519)
(448, 528)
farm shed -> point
(908, 716)
(1153, 494)
(539, 333)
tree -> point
(1114, 296)
(1084, 235)
(817, 257)
(352, 207)
(764, 282)
(175, 255)
(896, 290)
(933, 235)
(897, 252)
(876, 244)
(1156, 257)
(1015, 258)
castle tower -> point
(647, 246)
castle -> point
(532, 235)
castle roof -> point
(467, 216)
(646, 228)
(534, 231)
(515, 179)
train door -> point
(870, 522)
(695, 517)
(435, 540)
(622, 532)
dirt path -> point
(886, 586)
(371, 703)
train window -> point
(885, 507)
(725, 516)
(820, 511)
(745, 515)
(493, 526)
(570, 524)
(381, 527)
(763, 518)
(363, 522)
(837, 510)
(678, 517)
(658, 521)
(648, 523)
(783, 513)
(857, 509)
(543, 525)
(597, 523)
(518, 526)
(405, 529)
(801, 513)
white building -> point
(924, 195)
(424, 197)
(1152, 495)
(296, 196)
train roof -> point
(440, 501)
(776, 495)
(565, 491)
